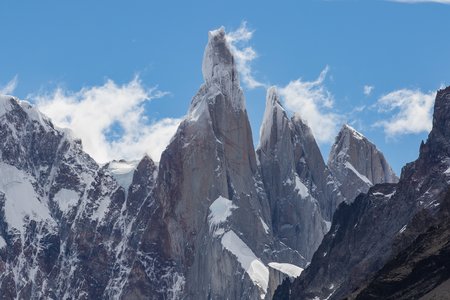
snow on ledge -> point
(362, 177)
(288, 269)
(356, 134)
(252, 265)
(123, 172)
(264, 225)
(21, 199)
(300, 187)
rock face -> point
(300, 188)
(209, 232)
(213, 220)
(379, 228)
(207, 180)
(58, 211)
(357, 164)
(421, 271)
(197, 226)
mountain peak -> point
(218, 61)
(441, 113)
(437, 145)
(272, 97)
(13, 105)
(5, 104)
(354, 156)
(352, 131)
(275, 118)
(221, 79)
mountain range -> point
(216, 218)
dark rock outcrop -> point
(370, 232)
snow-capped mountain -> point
(57, 210)
(357, 164)
(214, 219)
(390, 243)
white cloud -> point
(313, 103)
(94, 114)
(368, 89)
(9, 88)
(412, 112)
(422, 1)
(243, 54)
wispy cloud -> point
(110, 119)
(412, 112)
(368, 89)
(244, 54)
(422, 1)
(313, 103)
(9, 88)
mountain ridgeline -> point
(214, 218)
(392, 242)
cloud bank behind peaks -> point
(110, 119)
(314, 104)
(412, 112)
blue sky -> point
(59, 51)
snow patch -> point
(390, 195)
(447, 172)
(21, 199)
(288, 269)
(102, 208)
(403, 229)
(175, 291)
(328, 225)
(66, 199)
(199, 106)
(123, 172)
(2, 242)
(357, 135)
(255, 269)
(362, 177)
(300, 187)
(264, 225)
(220, 210)
(384, 195)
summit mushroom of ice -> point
(218, 60)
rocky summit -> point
(392, 242)
(357, 164)
(214, 218)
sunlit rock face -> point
(301, 191)
(211, 231)
(357, 164)
(212, 220)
